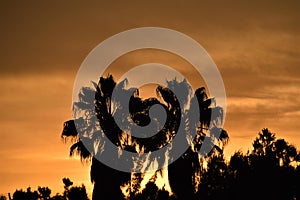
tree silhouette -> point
(44, 193)
(77, 193)
(103, 108)
(107, 181)
(216, 179)
(151, 192)
(183, 173)
(25, 195)
(67, 183)
(104, 112)
(267, 172)
(271, 167)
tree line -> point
(70, 192)
(270, 170)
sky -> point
(255, 45)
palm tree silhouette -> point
(102, 108)
(184, 172)
(107, 181)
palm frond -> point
(79, 149)
(69, 130)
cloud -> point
(55, 36)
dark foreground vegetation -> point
(269, 171)
(44, 193)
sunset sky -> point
(255, 44)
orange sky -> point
(254, 44)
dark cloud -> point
(37, 37)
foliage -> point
(151, 192)
(105, 107)
(271, 170)
(44, 193)
(267, 172)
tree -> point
(271, 166)
(77, 193)
(103, 110)
(67, 183)
(2, 197)
(267, 172)
(152, 192)
(73, 192)
(44, 193)
(25, 195)
(183, 172)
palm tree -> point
(184, 172)
(107, 181)
(102, 108)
